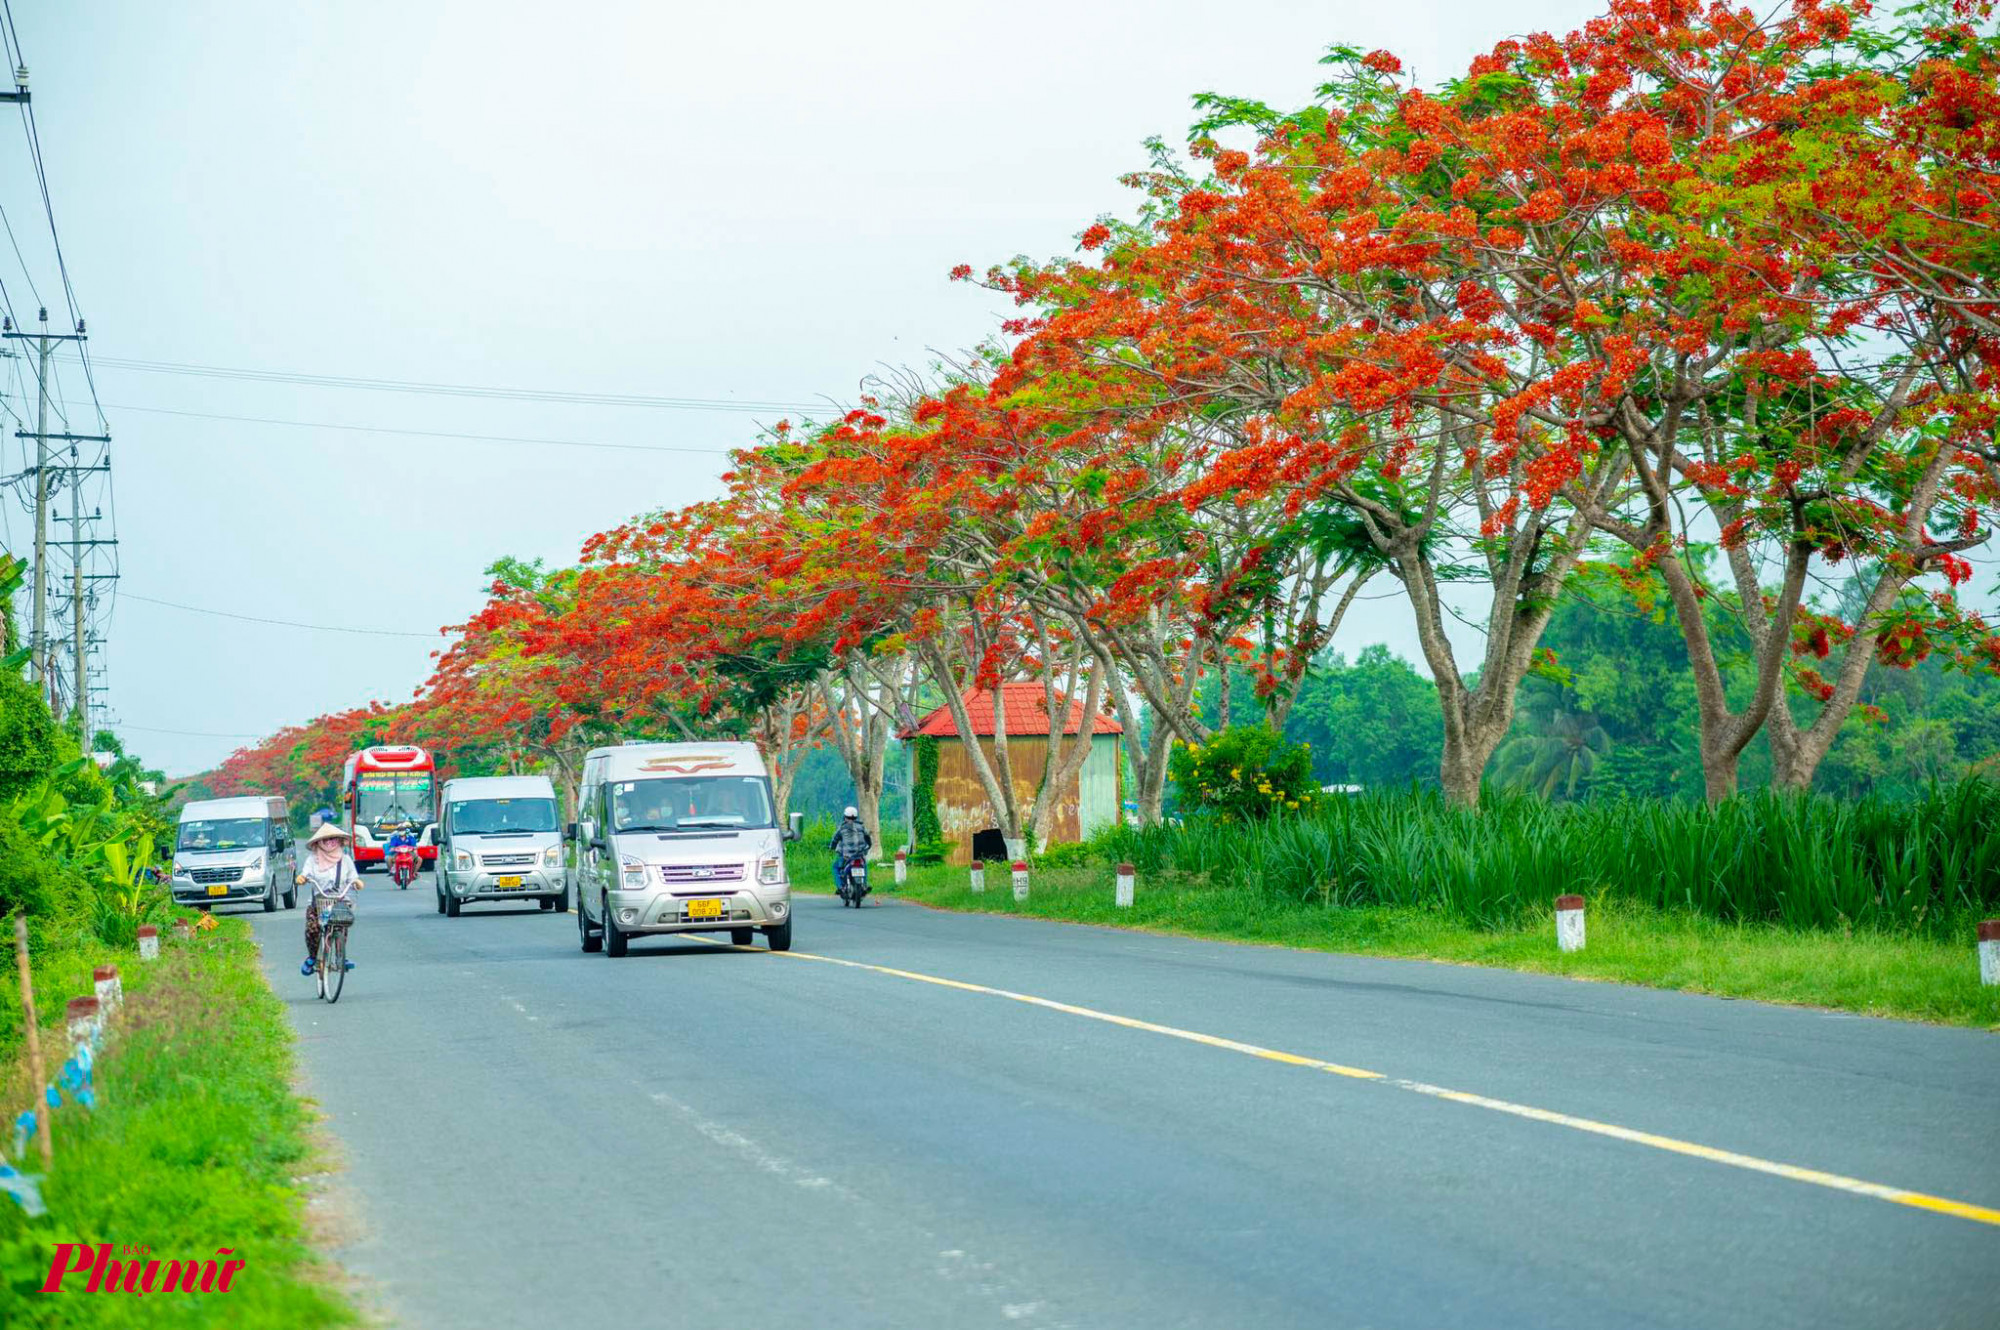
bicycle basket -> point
(337, 912)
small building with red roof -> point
(1093, 801)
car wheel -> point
(271, 896)
(451, 906)
(778, 937)
(292, 897)
(588, 940)
(561, 900)
(614, 941)
(741, 937)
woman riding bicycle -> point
(331, 873)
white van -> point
(679, 838)
(499, 839)
(234, 850)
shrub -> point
(53, 896)
(1247, 773)
(31, 743)
(925, 830)
(1922, 866)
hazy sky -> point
(756, 202)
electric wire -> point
(190, 734)
(553, 395)
(282, 623)
(427, 433)
(95, 612)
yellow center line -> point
(1816, 1177)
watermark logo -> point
(133, 1270)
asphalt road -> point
(699, 1136)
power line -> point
(282, 623)
(186, 734)
(83, 607)
(458, 389)
(425, 433)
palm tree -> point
(1557, 755)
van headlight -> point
(552, 857)
(634, 873)
(461, 861)
(255, 868)
(771, 871)
(181, 870)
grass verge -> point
(1876, 974)
(193, 1146)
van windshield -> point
(227, 833)
(688, 802)
(490, 817)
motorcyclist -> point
(403, 837)
(851, 843)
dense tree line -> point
(1674, 336)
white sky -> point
(757, 201)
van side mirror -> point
(590, 836)
(796, 826)
(569, 831)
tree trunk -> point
(993, 770)
(1152, 778)
(1065, 760)
(860, 708)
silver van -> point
(679, 838)
(234, 850)
(499, 839)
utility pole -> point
(38, 643)
(82, 693)
(80, 704)
(42, 654)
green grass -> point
(194, 1145)
(61, 973)
(1911, 976)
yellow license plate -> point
(708, 909)
(218, 891)
(508, 883)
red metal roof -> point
(1027, 715)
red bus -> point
(389, 788)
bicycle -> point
(335, 918)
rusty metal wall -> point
(961, 800)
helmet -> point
(850, 811)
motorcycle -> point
(403, 865)
(854, 883)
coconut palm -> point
(1557, 755)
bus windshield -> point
(387, 799)
(491, 817)
(688, 802)
(227, 833)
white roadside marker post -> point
(978, 877)
(83, 1017)
(1126, 876)
(105, 979)
(902, 868)
(1569, 923)
(149, 943)
(1020, 880)
(1989, 952)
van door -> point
(443, 812)
(589, 809)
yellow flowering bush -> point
(1247, 772)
